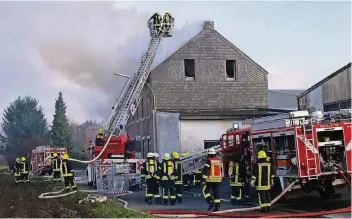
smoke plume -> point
(84, 42)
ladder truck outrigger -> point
(117, 147)
(313, 150)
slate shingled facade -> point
(210, 90)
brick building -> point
(210, 84)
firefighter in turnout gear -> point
(149, 173)
(237, 174)
(24, 170)
(158, 187)
(167, 179)
(167, 23)
(178, 176)
(99, 139)
(17, 171)
(56, 168)
(68, 174)
(197, 178)
(262, 178)
(212, 176)
(187, 178)
(157, 19)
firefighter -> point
(212, 176)
(237, 174)
(187, 178)
(263, 178)
(55, 162)
(167, 176)
(99, 139)
(16, 172)
(167, 22)
(68, 174)
(247, 178)
(158, 187)
(24, 170)
(149, 173)
(157, 19)
(178, 176)
(197, 178)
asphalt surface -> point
(309, 203)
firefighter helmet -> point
(101, 131)
(23, 159)
(150, 155)
(166, 156)
(18, 159)
(211, 151)
(261, 154)
(65, 157)
(156, 155)
(55, 155)
(175, 155)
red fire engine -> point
(41, 159)
(301, 148)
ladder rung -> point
(311, 159)
(312, 169)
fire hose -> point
(226, 213)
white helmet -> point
(211, 151)
(166, 156)
(150, 155)
(156, 155)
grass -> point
(22, 201)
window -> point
(211, 143)
(231, 69)
(189, 68)
(142, 108)
(238, 139)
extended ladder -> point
(309, 147)
(130, 95)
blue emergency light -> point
(235, 126)
(328, 116)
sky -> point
(75, 47)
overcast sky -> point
(47, 47)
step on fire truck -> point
(41, 159)
(119, 147)
(302, 148)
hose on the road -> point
(192, 214)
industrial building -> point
(330, 94)
(199, 92)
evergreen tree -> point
(61, 135)
(24, 127)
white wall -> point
(194, 132)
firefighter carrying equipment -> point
(167, 175)
(56, 163)
(149, 172)
(178, 176)
(68, 174)
(237, 174)
(262, 178)
(212, 175)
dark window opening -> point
(189, 68)
(142, 106)
(211, 143)
(231, 69)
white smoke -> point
(84, 43)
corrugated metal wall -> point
(168, 132)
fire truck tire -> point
(327, 192)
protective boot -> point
(233, 201)
(157, 201)
(149, 202)
(217, 207)
(211, 203)
(179, 200)
(165, 202)
(173, 201)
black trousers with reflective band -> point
(264, 199)
(69, 180)
(215, 187)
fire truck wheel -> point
(327, 192)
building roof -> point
(325, 80)
(209, 26)
(283, 99)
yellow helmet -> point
(18, 159)
(55, 155)
(175, 155)
(101, 131)
(23, 159)
(65, 157)
(261, 154)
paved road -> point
(310, 203)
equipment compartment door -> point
(348, 143)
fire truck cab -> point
(41, 159)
